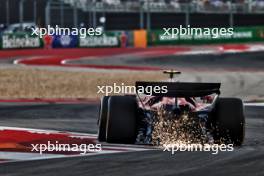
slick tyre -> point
(229, 121)
(121, 120)
(103, 119)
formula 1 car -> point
(133, 119)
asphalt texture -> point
(241, 75)
(252, 61)
(62, 117)
(245, 160)
(245, 80)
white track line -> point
(26, 156)
(106, 148)
(46, 131)
(109, 148)
(17, 61)
(254, 104)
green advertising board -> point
(108, 39)
(243, 34)
(20, 40)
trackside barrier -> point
(140, 39)
(240, 35)
(64, 41)
(26, 40)
(136, 38)
(20, 40)
(108, 39)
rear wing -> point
(181, 89)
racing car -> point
(133, 119)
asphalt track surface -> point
(246, 160)
(241, 75)
(251, 61)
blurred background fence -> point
(135, 23)
(133, 14)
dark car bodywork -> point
(195, 100)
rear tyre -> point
(121, 120)
(229, 121)
(103, 119)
